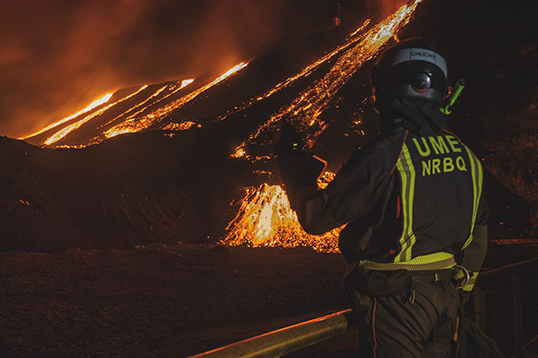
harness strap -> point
(443, 264)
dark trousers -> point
(393, 327)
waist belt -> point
(445, 275)
(434, 262)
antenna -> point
(336, 20)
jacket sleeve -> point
(472, 257)
(356, 188)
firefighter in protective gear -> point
(412, 204)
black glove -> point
(356, 301)
(297, 168)
(289, 143)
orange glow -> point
(137, 124)
(59, 135)
(179, 126)
(304, 73)
(361, 46)
(185, 83)
(239, 152)
(93, 105)
(265, 218)
(140, 107)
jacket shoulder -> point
(383, 144)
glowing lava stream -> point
(93, 105)
(59, 135)
(265, 217)
(306, 108)
(184, 83)
(145, 105)
(304, 73)
(96, 140)
(138, 124)
(133, 123)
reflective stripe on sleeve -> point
(408, 175)
(476, 174)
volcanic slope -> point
(161, 185)
(175, 179)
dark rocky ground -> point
(161, 301)
(171, 300)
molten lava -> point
(137, 124)
(265, 217)
(360, 46)
(59, 135)
(132, 120)
(93, 105)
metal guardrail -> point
(286, 340)
(289, 339)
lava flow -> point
(62, 133)
(133, 119)
(304, 111)
(141, 107)
(265, 217)
(93, 105)
(134, 124)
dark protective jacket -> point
(412, 199)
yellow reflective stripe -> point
(407, 173)
(476, 175)
(436, 261)
(470, 284)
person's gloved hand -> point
(288, 145)
(297, 168)
(356, 301)
(460, 278)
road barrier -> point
(286, 340)
(504, 282)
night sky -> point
(58, 56)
